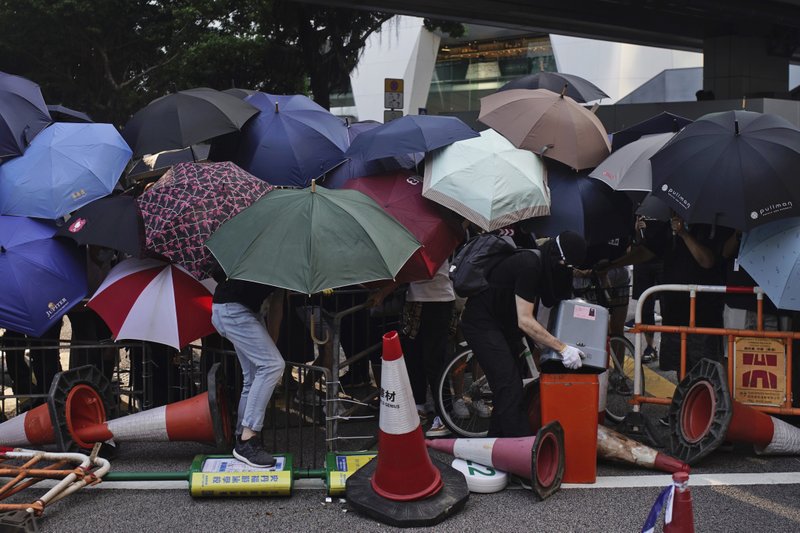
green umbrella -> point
(307, 240)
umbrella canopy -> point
(184, 118)
(292, 140)
(188, 203)
(628, 169)
(307, 240)
(149, 300)
(114, 222)
(735, 168)
(488, 181)
(357, 168)
(577, 88)
(65, 114)
(23, 114)
(548, 124)
(158, 164)
(43, 278)
(407, 135)
(585, 206)
(664, 122)
(770, 253)
(400, 194)
(66, 166)
(240, 93)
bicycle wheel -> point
(620, 378)
(463, 396)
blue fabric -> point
(66, 166)
(261, 362)
(650, 524)
(42, 278)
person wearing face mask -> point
(494, 321)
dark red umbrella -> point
(399, 193)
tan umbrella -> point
(548, 124)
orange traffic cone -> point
(32, 428)
(702, 416)
(202, 418)
(430, 491)
(539, 459)
(679, 517)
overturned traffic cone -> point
(202, 418)
(77, 396)
(615, 446)
(403, 486)
(680, 515)
(539, 459)
(702, 416)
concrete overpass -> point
(747, 44)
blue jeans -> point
(261, 362)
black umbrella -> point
(577, 88)
(240, 93)
(184, 118)
(66, 114)
(735, 168)
(664, 122)
(584, 205)
(23, 114)
(114, 222)
(158, 164)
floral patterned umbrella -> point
(188, 203)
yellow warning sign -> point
(759, 371)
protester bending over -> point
(495, 320)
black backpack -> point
(471, 265)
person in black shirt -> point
(235, 313)
(494, 321)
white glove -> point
(571, 357)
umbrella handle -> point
(314, 338)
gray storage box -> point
(578, 323)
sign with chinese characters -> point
(759, 371)
(393, 93)
(214, 476)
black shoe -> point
(251, 451)
(664, 421)
(650, 354)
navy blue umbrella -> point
(407, 135)
(66, 114)
(67, 166)
(664, 122)
(577, 88)
(291, 141)
(23, 114)
(41, 278)
(583, 205)
(358, 168)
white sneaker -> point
(460, 408)
(438, 429)
(483, 410)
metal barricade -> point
(639, 329)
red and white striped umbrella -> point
(150, 300)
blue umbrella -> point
(291, 141)
(408, 135)
(358, 168)
(770, 253)
(66, 166)
(583, 205)
(41, 278)
(23, 114)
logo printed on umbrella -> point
(78, 225)
(611, 176)
(772, 209)
(675, 195)
(53, 308)
(78, 194)
(412, 181)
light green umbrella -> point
(488, 181)
(307, 240)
